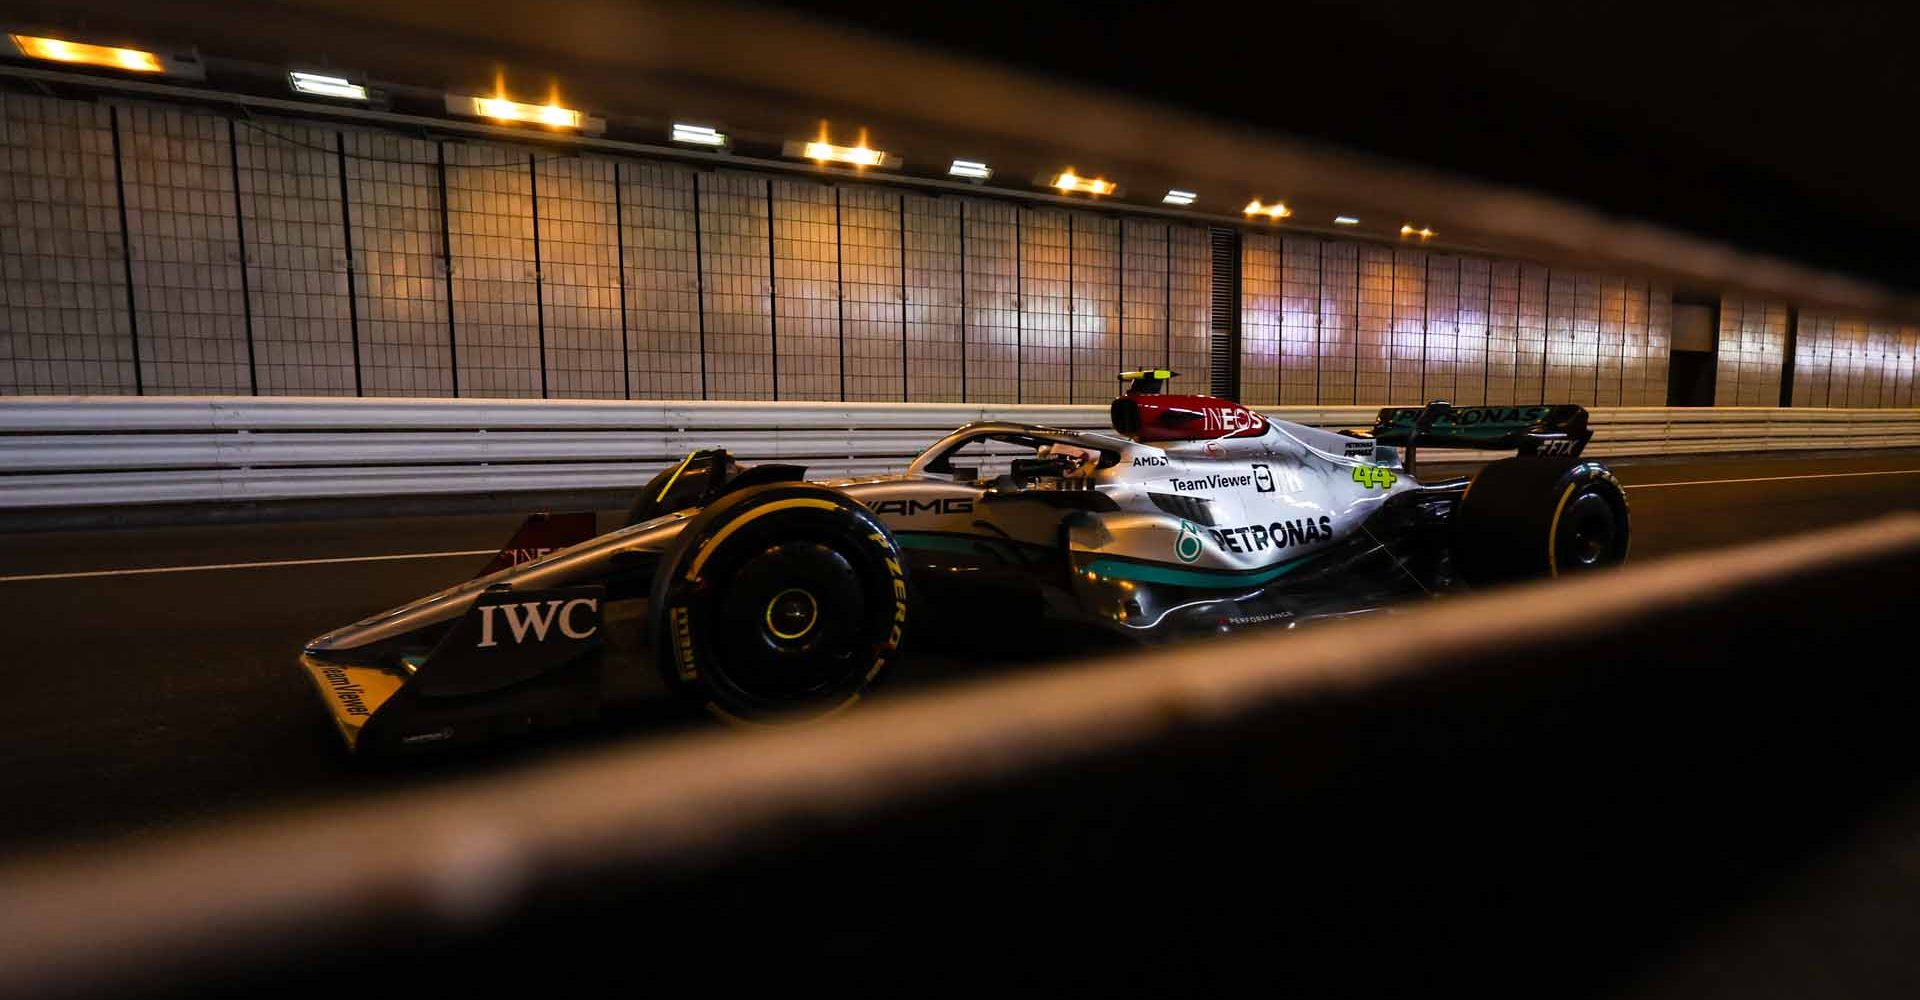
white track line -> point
(1774, 479)
(245, 565)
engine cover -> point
(1183, 418)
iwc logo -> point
(1188, 546)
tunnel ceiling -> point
(1755, 152)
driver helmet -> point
(1080, 461)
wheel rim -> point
(792, 614)
(1588, 533)
(791, 622)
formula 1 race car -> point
(769, 598)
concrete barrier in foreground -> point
(1544, 790)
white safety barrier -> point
(95, 451)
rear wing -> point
(1559, 430)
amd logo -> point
(537, 618)
(1148, 460)
(914, 508)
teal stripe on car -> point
(1143, 572)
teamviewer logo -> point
(1262, 478)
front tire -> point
(779, 602)
(1529, 517)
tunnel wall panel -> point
(661, 282)
(496, 320)
(1046, 304)
(1094, 258)
(297, 283)
(285, 256)
(932, 284)
(64, 325)
(400, 267)
(586, 345)
(184, 249)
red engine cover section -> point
(1184, 418)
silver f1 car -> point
(769, 598)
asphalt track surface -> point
(150, 679)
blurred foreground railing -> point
(1547, 782)
(99, 451)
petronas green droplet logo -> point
(1188, 545)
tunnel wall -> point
(1843, 362)
(153, 249)
(1331, 321)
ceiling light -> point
(502, 110)
(1277, 210)
(1408, 230)
(1068, 182)
(1345, 220)
(822, 151)
(972, 170)
(80, 53)
(698, 135)
(320, 85)
(1178, 198)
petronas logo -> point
(1188, 545)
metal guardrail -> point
(87, 451)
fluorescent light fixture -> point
(698, 135)
(1345, 220)
(972, 170)
(1069, 182)
(502, 110)
(80, 53)
(822, 151)
(1277, 210)
(320, 85)
(1406, 229)
(1178, 198)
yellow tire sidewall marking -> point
(713, 544)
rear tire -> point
(1527, 518)
(778, 603)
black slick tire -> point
(779, 603)
(1530, 518)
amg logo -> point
(914, 508)
(1278, 535)
(1210, 482)
(538, 618)
(1141, 460)
(345, 690)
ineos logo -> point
(537, 618)
(1229, 419)
(517, 556)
